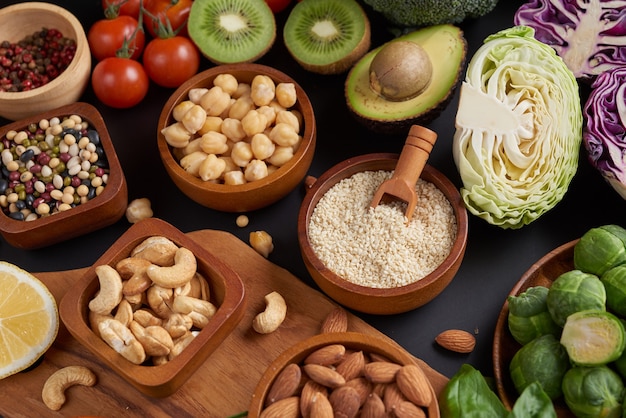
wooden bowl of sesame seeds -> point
(66, 79)
(372, 261)
(46, 199)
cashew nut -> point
(200, 311)
(124, 312)
(180, 344)
(177, 275)
(177, 324)
(138, 210)
(53, 392)
(158, 250)
(110, 293)
(95, 319)
(146, 318)
(155, 339)
(133, 269)
(262, 243)
(159, 299)
(121, 339)
(274, 314)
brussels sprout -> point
(591, 392)
(600, 249)
(543, 360)
(529, 317)
(575, 291)
(614, 281)
(593, 338)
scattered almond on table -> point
(456, 340)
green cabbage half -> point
(518, 129)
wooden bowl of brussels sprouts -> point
(237, 137)
(563, 325)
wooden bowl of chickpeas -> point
(371, 259)
(238, 137)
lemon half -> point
(29, 319)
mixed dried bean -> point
(34, 60)
(50, 166)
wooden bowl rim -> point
(532, 277)
(204, 78)
(351, 166)
(356, 340)
(73, 311)
(116, 181)
(82, 46)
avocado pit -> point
(400, 71)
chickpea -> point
(211, 123)
(243, 89)
(254, 122)
(213, 143)
(262, 90)
(241, 107)
(215, 101)
(181, 108)
(138, 210)
(262, 146)
(233, 129)
(230, 165)
(196, 94)
(281, 156)
(227, 82)
(211, 168)
(176, 135)
(286, 116)
(270, 114)
(286, 94)
(241, 153)
(193, 146)
(234, 178)
(255, 170)
(191, 163)
(283, 134)
(194, 118)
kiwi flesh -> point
(232, 31)
(327, 36)
(446, 48)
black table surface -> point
(495, 258)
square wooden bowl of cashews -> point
(154, 306)
(237, 137)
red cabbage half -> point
(604, 133)
(590, 35)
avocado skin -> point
(401, 125)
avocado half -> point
(447, 48)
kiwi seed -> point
(327, 36)
(232, 31)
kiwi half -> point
(327, 36)
(232, 31)
(446, 48)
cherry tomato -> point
(126, 7)
(106, 37)
(171, 61)
(176, 11)
(278, 5)
(119, 82)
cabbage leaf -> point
(518, 129)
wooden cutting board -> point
(223, 386)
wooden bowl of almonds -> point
(154, 307)
(344, 374)
(54, 30)
(237, 137)
(373, 261)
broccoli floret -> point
(416, 13)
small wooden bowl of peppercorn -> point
(373, 261)
(60, 178)
(237, 137)
(42, 28)
(350, 372)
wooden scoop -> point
(401, 185)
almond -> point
(362, 386)
(335, 321)
(285, 408)
(285, 384)
(456, 340)
(414, 385)
(381, 371)
(373, 407)
(392, 397)
(407, 409)
(352, 365)
(309, 391)
(327, 355)
(324, 375)
(345, 402)
(320, 407)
